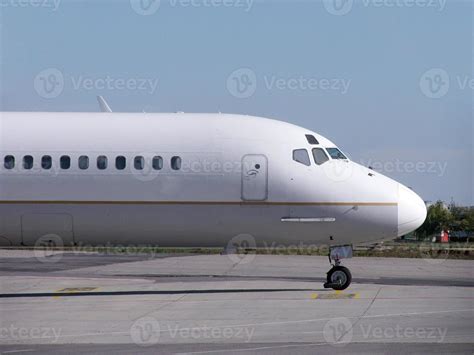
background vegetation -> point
(452, 218)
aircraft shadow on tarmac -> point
(148, 292)
(381, 281)
(391, 281)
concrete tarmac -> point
(75, 303)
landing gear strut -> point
(339, 277)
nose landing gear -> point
(339, 277)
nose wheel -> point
(339, 277)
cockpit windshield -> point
(335, 153)
(320, 157)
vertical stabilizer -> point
(104, 107)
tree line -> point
(452, 218)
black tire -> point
(339, 277)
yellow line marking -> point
(74, 290)
(337, 295)
(77, 289)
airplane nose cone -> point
(411, 210)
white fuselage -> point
(236, 176)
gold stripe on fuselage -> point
(224, 203)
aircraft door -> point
(254, 177)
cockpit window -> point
(301, 156)
(320, 156)
(335, 153)
(311, 139)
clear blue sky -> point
(362, 78)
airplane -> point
(191, 180)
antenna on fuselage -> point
(104, 107)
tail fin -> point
(104, 107)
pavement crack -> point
(162, 306)
(234, 265)
(359, 318)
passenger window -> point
(139, 162)
(320, 157)
(157, 163)
(83, 162)
(65, 162)
(301, 156)
(9, 162)
(335, 153)
(101, 162)
(175, 163)
(311, 139)
(46, 162)
(27, 162)
(120, 162)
